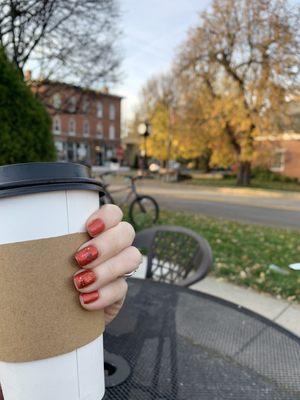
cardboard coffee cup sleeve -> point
(41, 316)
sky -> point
(152, 30)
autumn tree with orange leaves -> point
(244, 56)
(229, 82)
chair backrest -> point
(174, 254)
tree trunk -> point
(203, 162)
(244, 174)
(197, 163)
(206, 160)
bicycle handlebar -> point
(134, 178)
(106, 173)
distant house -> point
(285, 147)
(86, 124)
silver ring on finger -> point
(129, 275)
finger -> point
(105, 297)
(105, 218)
(112, 311)
(127, 261)
(105, 246)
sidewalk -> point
(271, 199)
(282, 312)
(235, 191)
(275, 200)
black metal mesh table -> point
(185, 345)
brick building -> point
(86, 124)
(284, 148)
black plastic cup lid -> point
(19, 179)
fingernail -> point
(88, 298)
(84, 279)
(86, 255)
(95, 227)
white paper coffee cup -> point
(38, 201)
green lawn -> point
(243, 252)
(255, 184)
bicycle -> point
(143, 209)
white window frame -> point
(60, 150)
(56, 125)
(85, 105)
(56, 100)
(86, 132)
(112, 132)
(72, 104)
(281, 167)
(112, 111)
(99, 132)
(80, 146)
(59, 145)
(99, 109)
(72, 132)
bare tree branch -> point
(66, 39)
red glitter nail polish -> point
(88, 298)
(95, 227)
(86, 255)
(84, 279)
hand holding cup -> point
(104, 260)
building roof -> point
(47, 82)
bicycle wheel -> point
(143, 211)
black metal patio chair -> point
(174, 254)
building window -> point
(72, 127)
(71, 151)
(82, 151)
(86, 128)
(72, 104)
(99, 132)
(99, 109)
(112, 132)
(56, 126)
(56, 101)
(109, 154)
(59, 145)
(112, 112)
(85, 105)
(60, 149)
(278, 160)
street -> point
(237, 212)
(279, 209)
